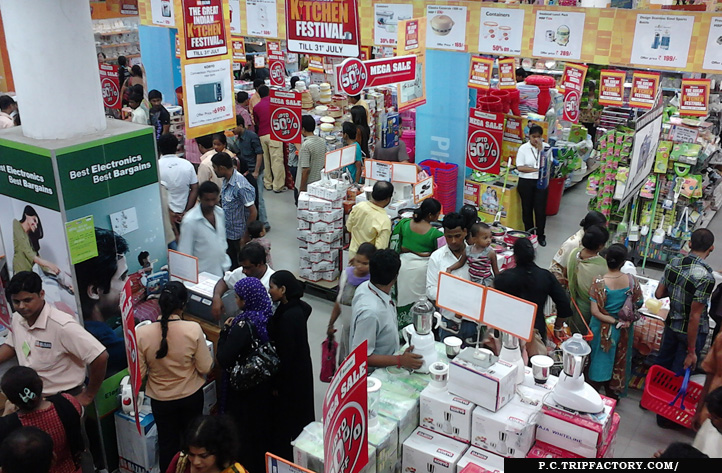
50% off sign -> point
(285, 116)
(483, 147)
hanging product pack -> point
(261, 364)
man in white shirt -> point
(178, 176)
(203, 232)
(139, 115)
(440, 260)
(533, 199)
(205, 168)
(7, 107)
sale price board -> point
(559, 34)
(507, 73)
(276, 66)
(261, 18)
(329, 28)
(694, 97)
(483, 147)
(109, 85)
(205, 30)
(611, 88)
(480, 72)
(644, 89)
(131, 346)
(353, 75)
(573, 83)
(386, 25)
(345, 416)
(501, 30)
(446, 27)
(285, 116)
(662, 40)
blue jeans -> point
(261, 204)
(466, 331)
(673, 350)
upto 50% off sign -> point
(483, 150)
(285, 124)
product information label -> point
(446, 27)
(205, 30)
(326, 27)
(662, 40)
(109, 85)
(694, 97)
(261, 18)
(386, 21)
(507, 73)
(611, 88)
(209, 90)
(483, 147)
(713, 53)
(644, 89)
(162, 13)
(285, 116)
(501, 31)
(480, 72)
(573, 83)
(81, 239)
(559, 34)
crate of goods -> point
(661, 395)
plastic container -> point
(489, 103)
(505, 98)
(409, 138)
(660, 389)
(554, 197)
(514, 101)
(544, 98)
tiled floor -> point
(638, 434)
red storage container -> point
(554, 198)
(505, 98)
(544, 83)
(489, 103)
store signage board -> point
(340, 158)
(323, 27)
(381, 171)
(460, 296)
(261, 18)
(204, 28)
(276, 464)
(286, 116)
(276, 63)
(573, 83)
(239, 50)
(354, 75)
(559, 34)
(508, 314)
(403, 173)
(234, 7)
(501, 30)
(480, 72)
(483, 146)
(446, 27)
(644, 150)
(694, 97)
(131, 346)
(683, 134)
(162, 13)
(412, 40)
(109, 85)
(507, 73)
(209, 92)
(315, 64)
(713, 53)
(423, 190)
(662, 40)
(611, 89)
(183, 266)
(645, 86)
(386, 21)
(345, 415)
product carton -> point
(304, 225)
(309, 216)
(137, 453)
(308, 450)
(330, 276)
(319, 205)
(308, 275)
(486, 460)
(390, 130)
(319, 247)
(309, 236)
(303, 199)
(333, 235)
(332, 216)
(333, 189)
(323, 266)
(385, 437)
(446, 413)
(321, 227)
(426, 451)
(401, 408)
(489, 387)
(544, 450)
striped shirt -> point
(479, 264)
(236, 195)
(312, 155)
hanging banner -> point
(501, 30)
(662, 40)
(412, 40)
(276, 63)
(611, 88)
(315, 64)
(285, 116)
(204, 28)
(573, 83)
(261, 18)
(345, 416)
(480, 72)
(507, 73)
(644, 89)
(387, 16)
(694, 97)
(239, 50)
(354, 75)
(131, 346)
(483, 147)
(330, 28)
(109, 85)
(162, 13)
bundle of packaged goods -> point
(606, 450)
(308, 450)
(384, 436)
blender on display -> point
(571, 391)
(419, 333)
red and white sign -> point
(326, 27)
(611, 88)
(131, 345)
(315, 64)
(644, 89)
(483, 147)
(276, 66)
(412, 35)
(573, 83)
(507, 73)
(239, 50)
(345, 416)
(285, 116)
(353, 75)
(480, 72)
(109, 85)
(694, 97)
(204, 28)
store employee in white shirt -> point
(533, 199)
(178, 176)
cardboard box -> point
(330, 276)
(319, 247)
(308, 450)
(486, 460)
(137, 453)
(446, 413)
(323, 266)
(385, 437)
(401, 408)
(319, 205)
(309, 236)
(303, 199)
(510, 431)
(333, 216)
(426, 451)
(490, 388)
(544, 450)
(304, 225)
(333, 235)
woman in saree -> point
(584, 267)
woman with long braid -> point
(174, 355)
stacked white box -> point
(446, 413)
(320, 230)
(490, 387)
(308, 450)
(486, 460)
(427, 451)
(384, 436)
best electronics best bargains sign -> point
(353, 75)
(326, 27)
(483, 148)
(205, 30)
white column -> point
(52, 55)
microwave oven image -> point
(208, 93)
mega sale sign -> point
(285, 116)
(573, 83)
(483, 147)
(325, 27)
(131, 346)
(353, 75)
(205, 30)
(694, 97)
(109, 85)
(345, 416)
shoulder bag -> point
(261, 364)
(629, 311)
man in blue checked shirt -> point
(238, 202)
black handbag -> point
(261, 364)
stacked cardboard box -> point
(308, 450)
(605, 450)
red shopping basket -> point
(661, 391)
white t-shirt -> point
(528, 156)
(177, 175)
(139, 116)
(708, 440)
(232, 277)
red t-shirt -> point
(262, 116)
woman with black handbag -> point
(244, 352)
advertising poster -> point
(694, 97)
(131, 347)
(209, 91)
(276, 63)
(516, 129)
(480, 72)
(239, 50)
(559, 34)
(162, 13)
(286, 116)
(483, 147)
(412, 40)
(234, 9)
(662, 40)
(644, 89)
(507, 73)
(261, 18)
(573, 83)
(354, 75)
(323, 27)
(315, 64)
(345, 416)
(446, 27)
(501, 30)
(204, 28)
(386, 22)
(109, 85)
(646, 138)
(713, 53)
(611, 88)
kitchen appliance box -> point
(384, 436)
(544, 450)
(430, 452)
(446, 413)
(308, 450)
(137, 453)
(487, 461)
(489, 387)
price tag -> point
(381, 171)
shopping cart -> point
(662, 389)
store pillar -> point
(162, 67)
(59, 95)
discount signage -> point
(573, 83)
(611, 88)
(131, 346)
(644, 89)
(109, 85)
(285, 116)
(345, 416)
(483, 147)
(276, 67)
(507, 73)
(480, 72)
(695, 96)
(353, 75)
(239, 50)
(205, 30)
(326, 27)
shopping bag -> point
(329, 348)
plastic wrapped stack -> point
(444, 175)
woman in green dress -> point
(27, 233)
(584, 267)
(415, 239)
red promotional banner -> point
(109, 85)
(326, 27)
(205, 30)
(573, 83)
(483, 148)
(315, 64)
(411, 35)
(353, 75)
(131, 346)
(644, 89)
(695, 96)
(239, 50)
(611, 88)
(507, 73)
(285, 116)
(480, 72)
(276, 63)
(345, 416)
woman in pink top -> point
(174, 355)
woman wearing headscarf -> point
(250, 408)
(293, 386)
